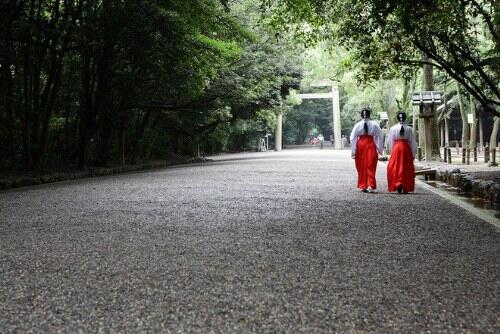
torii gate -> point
(334, 95)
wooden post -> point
(486, 154)
(419, 154)
(463, 155)
(278, 132)
(475, 154)
(337, 128)
(468, 155)
(449, 155)
(428, 139)
(493, 157)
(445, 155)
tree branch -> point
(476, 67)
(462, 78)
(487, 18)
(417, 63)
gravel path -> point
(261, 242)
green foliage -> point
(306, 120)
(228, 50)
(387, 38)
(327, 61)
(88, 82)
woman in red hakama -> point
(402, 145)
(366, 145)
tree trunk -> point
(40, 37)
(446, 133)
(403, 105)
(431, 125)
(153, 124)
(481, 131)
(494, 133)
(27, 100)
(56, 46)
(446, 139)
(441, 134)
(278, 134)
(66, 151)
(49, 96)
(104, 101)
(40, 53)
(139, 133)
(87, 113)
(7, 90)
(463, 115)
(473, 133)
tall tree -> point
(428, 126)
(459, 37)
(494, 135)
(463, 116)
(473, 128)
(99, 81)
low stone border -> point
(27, 180)
(470, 184)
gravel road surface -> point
(273, 242)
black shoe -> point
(400, 189)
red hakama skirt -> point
(366, 162)
(400, 169)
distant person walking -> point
(366, 145)
(343, 141)
(402, 146)
(321, 140)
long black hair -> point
(401, 118)
(365, 113)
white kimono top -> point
(408, 135)
(373, 130)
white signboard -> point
(383, 115)
(470, 118)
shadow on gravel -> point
(395, 194)
(260, 157)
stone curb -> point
(26, 180)
(470, 184)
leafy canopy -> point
(388, 38)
